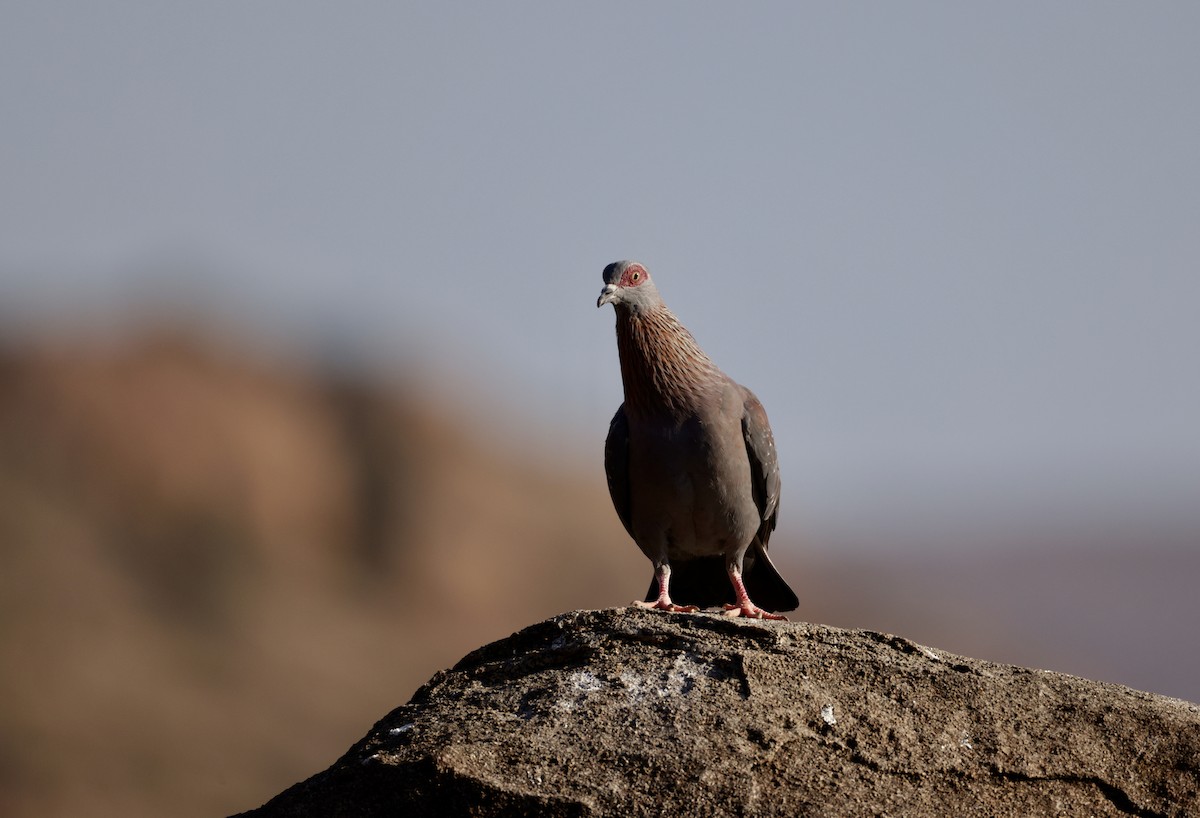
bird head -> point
(627, 284)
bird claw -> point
(752, 612)
(662, 604)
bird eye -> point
(636, 276)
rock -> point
(633, 712)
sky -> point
(952, 247)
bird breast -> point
(679, 504)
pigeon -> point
(691, 463)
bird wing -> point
(764, 463)
(616, 467)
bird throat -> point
(662, 367)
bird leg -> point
(662, 573)
(744, 606)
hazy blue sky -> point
(952, 246)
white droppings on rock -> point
(678, 680)
(931, 654)
(586, 681)
(681, 678)
(827, 715)
(404, 728)
(580, 684)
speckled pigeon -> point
(691, 463)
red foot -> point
(665, 604)
(752, 611)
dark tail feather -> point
(704, 582)
(767, 589)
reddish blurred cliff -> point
(197, 548)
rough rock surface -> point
(632, 712)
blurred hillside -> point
(215, 571)
(218, 567)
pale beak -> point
(607, 295)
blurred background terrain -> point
(303, 392)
